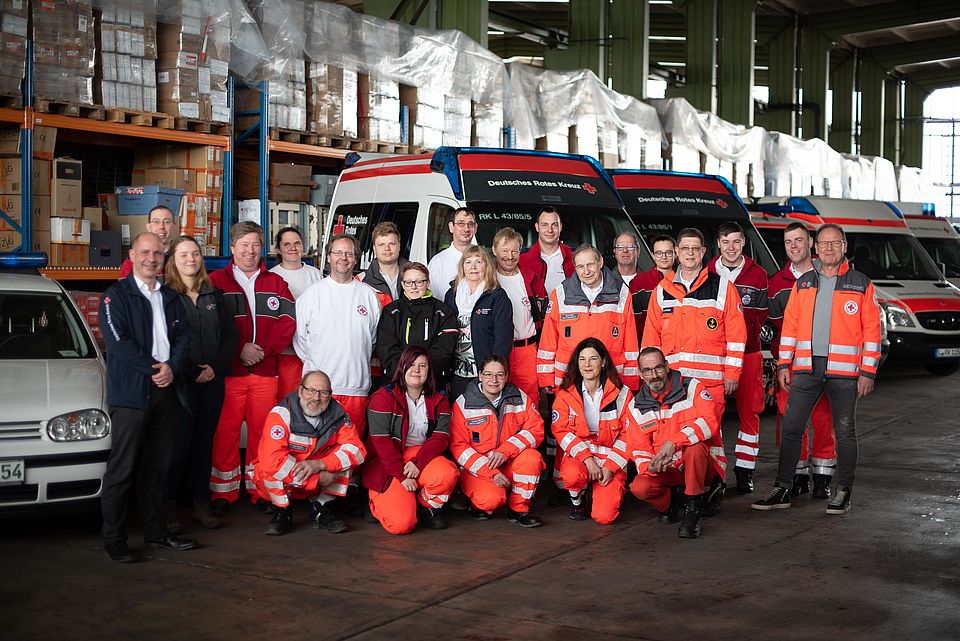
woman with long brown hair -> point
(213, 340)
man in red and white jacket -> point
(799, 246)
(263, 311)
(309, 451)
(546, 263)
(645, 283)
(751, 282)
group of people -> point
(411, 386)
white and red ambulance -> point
(505, 187)
(937, 235)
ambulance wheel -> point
(942, 369)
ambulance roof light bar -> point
(23, 260)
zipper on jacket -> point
(426, 329)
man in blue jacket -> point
(147, 339)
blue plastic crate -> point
(138, 201)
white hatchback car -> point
(54, 425)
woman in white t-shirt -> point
(299, 277)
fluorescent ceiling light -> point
(668, 38)
(496, 33)
(672, 64)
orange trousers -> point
(396, 508)
(289, 373)
(310, 490)
(523, 473)
(749, 397)
(523, 370)
(824, 455)
(246, 399)
(694, 473)
(606, 499)
(356, 409)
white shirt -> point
(678, 278)
(248, 285)
(796, 272)
(523, 326)
(465, 361)
(161, 342)
(298, 279)
(730, 273)
(443, 269)
(592, 292)
(417, 421)
(591, 407)
(336, 332)
(555, 273)
(628, 277)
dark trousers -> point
(141, 440)
(458, 385)
(193, 448)
(805, 390)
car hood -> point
(37, 390)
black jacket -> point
(213, 334)
(127, 322)
(491, 323)
(375, 279)
(425, 322)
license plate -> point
(12, 472)
(947, 352)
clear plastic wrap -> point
(912, 184)
(545, 104)
(14, 18)
(64, 50)
(281, 25)
(795, 167)
(709, 134)
(126, 72)
(869, 178)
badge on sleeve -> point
(273, 303)
(705, 395)
(554, 416)
(277, 432)
(850, 307)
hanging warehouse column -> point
(842, 81)
(469, 16)
(782, 115)
(892, 119)
(872, 80)
(629, 47)
(588, 35)
(814, 81)
(736, 57)
(701, 44)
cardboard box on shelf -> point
(12, 206)
(209, 182)
(11, 176)
(128, 226)
(11, 240)
(70, 230)
(66, 188)
(44, 141)
(108, 203)
(184, 179)
(95, 216)
(68, 255)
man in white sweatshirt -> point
(337, 327)
(443, 266)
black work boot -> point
(690, 526)
(801, 484)
(323, 518)
(713, 497)
(821, 486)
(672, 513)
(744, 480)
(281, 523)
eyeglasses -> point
(650, 371)
(669, 253)
(836, 244)
(464, 223)
(322, 393)
(420, 282)
(166, 222)
(494, 375)
(624, 248)
(689, 250)
(342, 254)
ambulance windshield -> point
(946, 251)
(890, 257)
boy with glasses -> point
(645, 283)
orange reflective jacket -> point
(854, 325)
(573, 434)
(477, 428)
(701, 332)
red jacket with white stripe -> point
(701, 331)
(684, 415)
(778, 293)
(573, 434)
(751, 284)
(288, 438)
(642, 288)
(274, 317)
(477, 428)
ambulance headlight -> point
(897, 316)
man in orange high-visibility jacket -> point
(494, 433)
(830, 345)
(696, 320)
(309, 450)
(673, 438)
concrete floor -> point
(890, 569)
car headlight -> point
(897, 316)
(83, 425)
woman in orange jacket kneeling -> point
(406, 472)
(589, 415)
(494, 436)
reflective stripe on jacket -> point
(573, 434)
(854, 325)
(701, 332)
(751, 284)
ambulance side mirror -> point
(943, 269)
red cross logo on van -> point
(722, 204)
(587, 187)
